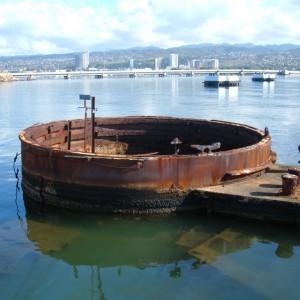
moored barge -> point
(217, 79)
(139, 164)
(263, 77)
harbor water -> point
(46, 253)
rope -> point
(16, 171)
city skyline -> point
(241, 56)
(44, 27)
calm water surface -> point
(54, 254)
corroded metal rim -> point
(137, 164)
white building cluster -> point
(173, 63)
(206, 64)
(211, 63)
(82, 61)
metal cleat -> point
(206, 148)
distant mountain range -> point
(225, 46)
(247, 46)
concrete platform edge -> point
(257, 198)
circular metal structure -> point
(137, 164)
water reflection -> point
(268, 89)
(265, 88)
(228, 93)
(144, 257)
(145, 241)
(174, 90)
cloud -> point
(40, 26)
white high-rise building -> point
(173, 60)
(131, 63)
(82, 60)
(196, 64)
(158, 63)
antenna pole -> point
(93, 123)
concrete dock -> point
(258, 197)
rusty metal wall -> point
(158, 173)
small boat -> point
(217, 79)
(284, 72)
(31, 77)
(263, 77)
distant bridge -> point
(142, 72)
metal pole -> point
(69, 135)
(93, 123)
(85, 123)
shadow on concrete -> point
(277, 171)
(264, 194)
(271, 186)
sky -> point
(65, 26)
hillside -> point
(247, 56)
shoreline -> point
(5, 77)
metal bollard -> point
(289, 185)
(295, 171)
